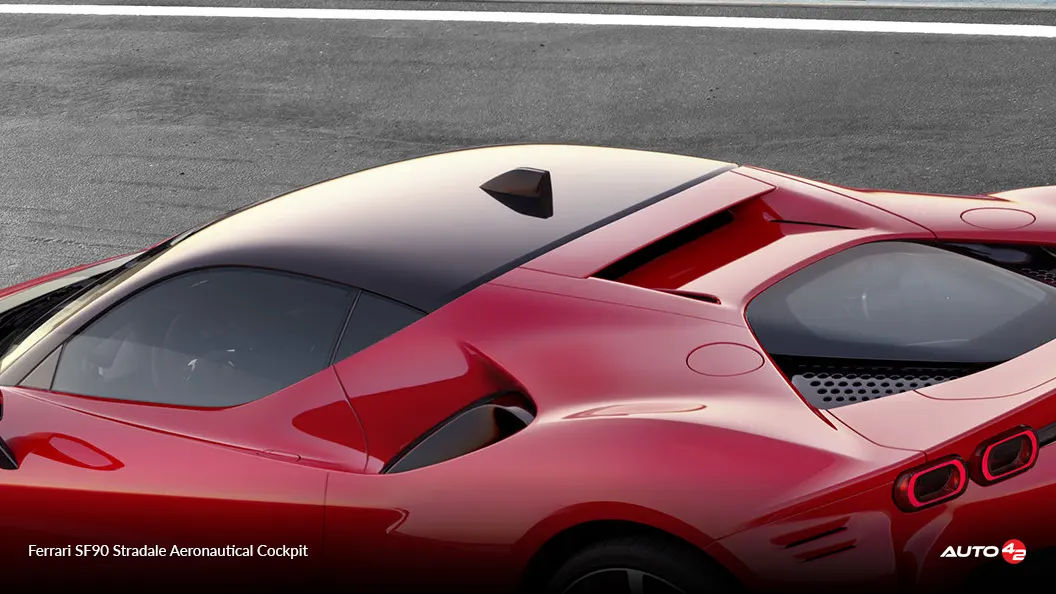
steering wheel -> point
(172, 368)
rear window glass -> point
(900, 301)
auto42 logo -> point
(1013, 551)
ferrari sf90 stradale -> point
(544, 368)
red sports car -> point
(544, 368)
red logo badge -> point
(1014, 551)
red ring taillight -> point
(1005, 456)
(931, 484)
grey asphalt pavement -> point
(117, 132)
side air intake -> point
(477, 426)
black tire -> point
(638, 565)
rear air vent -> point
(828, 383)
(714, 241)
(805, 536)
(819, 541)
(814, 555)
(665, 246)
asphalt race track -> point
(118, 131)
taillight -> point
(1005, 456)
(931, 484)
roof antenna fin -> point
(524, 190)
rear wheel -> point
(637, 565)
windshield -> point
(28, 316)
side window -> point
(210, 338)
(372, 319)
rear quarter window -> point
(373, 318)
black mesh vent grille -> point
(1045, 275)
(830, 385)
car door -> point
(183, 435)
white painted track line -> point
(964, 5)
(543, 18)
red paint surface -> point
(736, 464)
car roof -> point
(423, 232)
